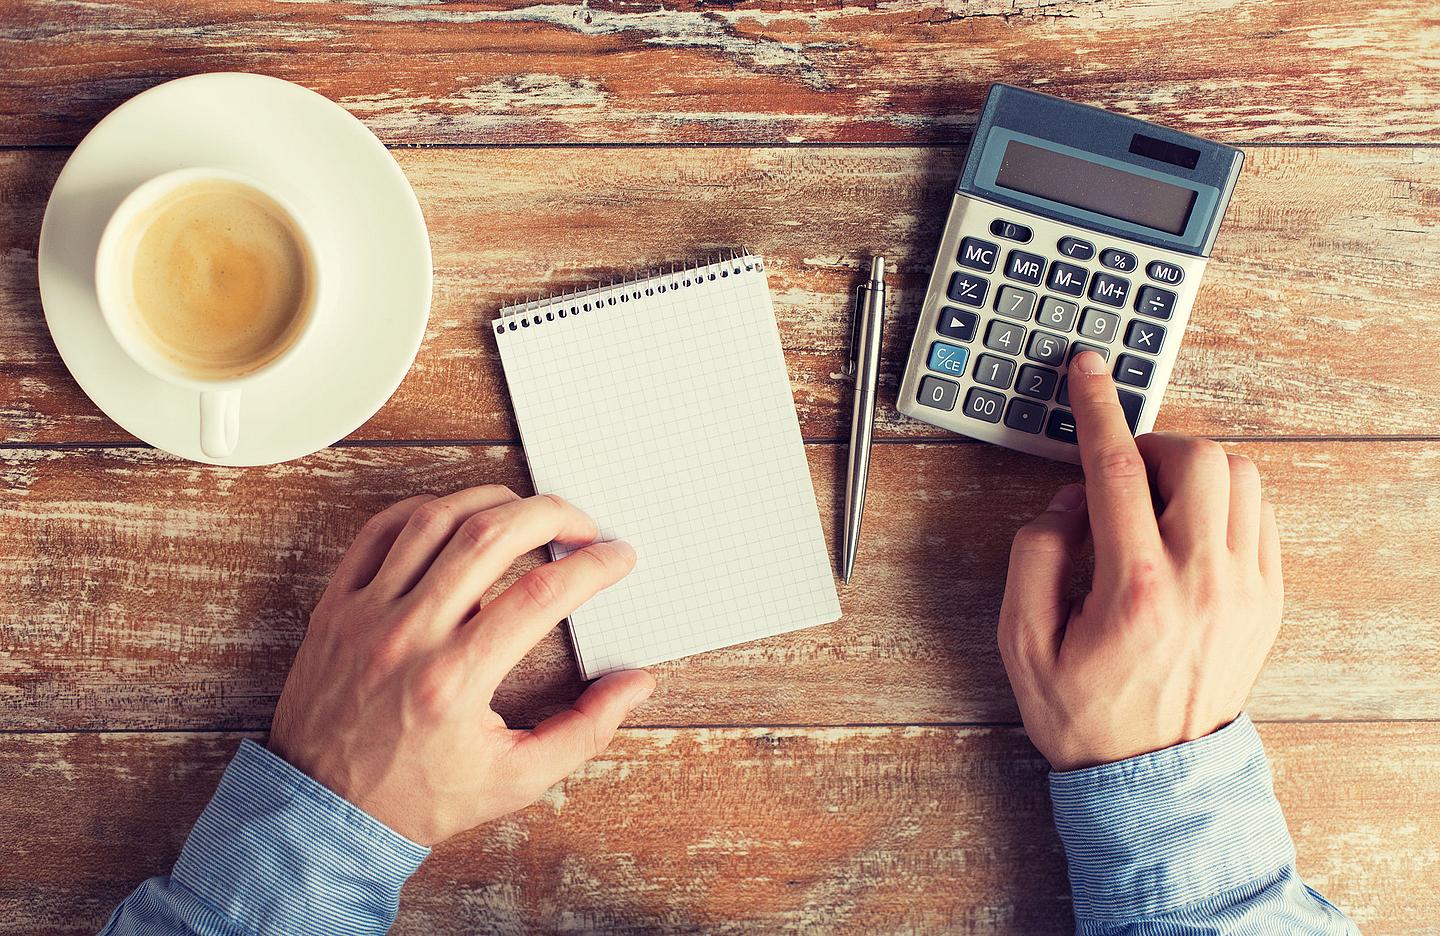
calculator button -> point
(1100, 326)
(1063, 395)
(1144, 336)
(1025, 416)
(1118, 260)
(1079, 346)
(957, 324)
(1037, 382)
(1131, 402)
(1010, 230)
(948, 359)
(1133, 370)
(1015, 303)
(1167, 273)
(1111, 290)
(1004, 336)
(978, 254)
(1066, 278)
(983, 404)
(1075, 248)
(1062, 426)
(1047, 348)
(969, 289)
(938, 393)
(1155, 302)
(1057, 314)
(1025, 267)
(994, 371)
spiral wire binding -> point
(640, 284)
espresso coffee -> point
(220, 280)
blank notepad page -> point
(663, 409)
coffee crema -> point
(220, 278)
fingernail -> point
(1088, 362)
(1069, 497)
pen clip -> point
(852, 363)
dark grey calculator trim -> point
(1092, 130)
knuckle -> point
(1120, 460)
(433, 690)
(433, 517)
(1141, 587)
(555, 500)
(1209, 454)
(479, 531)
(541, 588)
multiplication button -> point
(1144, 336)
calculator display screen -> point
(1080, 183)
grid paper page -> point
(665, 413)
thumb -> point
(1037, 603)
(558, 745)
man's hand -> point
(388, 703)
(1184, 606)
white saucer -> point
(333, 169)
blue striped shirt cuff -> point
(275, 851)
(1153, 833)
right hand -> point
(1185, 602)
(388, 703)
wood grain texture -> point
(143, 592)
(779, 70)
(729, 831)
(1326, 266)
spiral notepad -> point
(662, 408)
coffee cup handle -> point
(219, 422)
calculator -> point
(1071, 229)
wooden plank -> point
(142, 592)
(1325, 267)
(740, 830)
(782, 70)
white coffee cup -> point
(219, 397)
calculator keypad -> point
(990, 360)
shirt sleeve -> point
(276, 852)
(1186, 840)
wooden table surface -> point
(868, 776)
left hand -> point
(388, 703)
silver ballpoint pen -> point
(864, 365)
